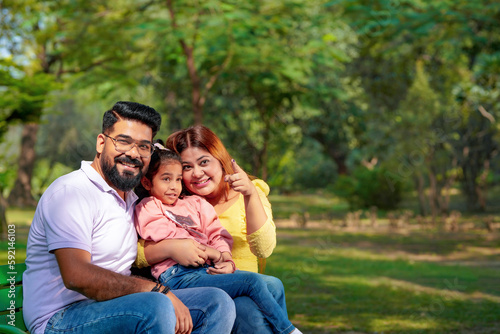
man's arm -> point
(100, 284)
(94, 282)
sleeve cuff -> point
(263, 241)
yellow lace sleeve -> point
(263, 241)
(140, 261)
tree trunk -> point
(21, 195)
(481, 186)
(433, 195)
(470, 187)
(421, 194)
(3, 217)
(341, 165)
(339, 157)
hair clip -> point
(160, 147)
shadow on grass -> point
(334, 286)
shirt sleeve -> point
(218, 237)
(150, 222)
(69, 225)
(263, 241)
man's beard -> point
(127, 181)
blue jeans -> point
(240, 283)
(212, 311)
(249, 318)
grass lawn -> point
(380, 282)
(374, 280)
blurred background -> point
(374, 122)
(369, 100)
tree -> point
(454, 38)
(49, 42)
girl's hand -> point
(221, 268)
(188, 252)
(213, 254)
(239, 181)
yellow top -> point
(261, 243)
(246, 248)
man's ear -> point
(99, 146)
(146, 183)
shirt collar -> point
(100, 183)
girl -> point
(165, 215)
(243, 209)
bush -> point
(369, 187)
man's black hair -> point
(131, 111)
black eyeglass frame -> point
(134, 143)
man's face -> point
(123, 171)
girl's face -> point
(167, 183)
(201, 171)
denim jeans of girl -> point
(249, 318)
(212, 311)
(239, 283)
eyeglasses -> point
(124, 145)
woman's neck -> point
(225, 202)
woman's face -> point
(201, 172)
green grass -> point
(21, 219)
(317, 206)
(372, 283)
(372, 280)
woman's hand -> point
(239, 181)
(255, 214)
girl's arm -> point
(153, 226)
(219, 239)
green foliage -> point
(369, 187)
(303, 170)
(272, 77)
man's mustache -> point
(127, 160)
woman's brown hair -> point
(202, 137)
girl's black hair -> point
(159, 157)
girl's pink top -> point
(189, 218)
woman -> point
(242, 207)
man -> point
(82, 243)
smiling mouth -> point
(201, 183)
(129, 165)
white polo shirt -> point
(79, 210)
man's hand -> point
(184, 324)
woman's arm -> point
(255, 214)
(254, 210)
(263, 241)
